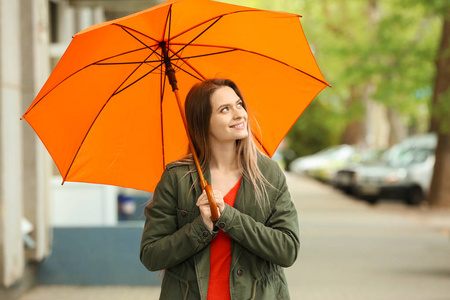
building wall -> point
(36, 162)
(24, 164)
(11, 187)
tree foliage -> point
(389, 45)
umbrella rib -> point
(119, 91)
(187, 63)
(141, 63)
(89, 65)
(96, 117)
(262, 55)
(120, 54)
(168, 19)
(170, 26)
(128, 63)
(189, 73)
(217, 17)
(157, 61)
(203, 55)
(131, 29)
(201, 33)
(139, 40)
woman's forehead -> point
(224, 95)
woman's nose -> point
(239, 114)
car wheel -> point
(348, 190)
(414, 196)
(371, 199)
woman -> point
(241, 255)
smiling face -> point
(228, 117)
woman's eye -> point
(239, 104)
(225, 109)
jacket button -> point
(205, 233)
(183, 213)
(240, 272)
(222, 225)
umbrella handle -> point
(212, 203)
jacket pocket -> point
(184, 217)
(173, 287)
(271, 287)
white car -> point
(325, 163)
(405, 173)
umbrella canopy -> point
(106, 114)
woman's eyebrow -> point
(228, 104)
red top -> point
(220, 259)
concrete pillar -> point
(37, 168)
(99, 14)
(66, 22)
(11, 179)
(65, 29)
(85, 18)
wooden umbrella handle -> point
(212, 203)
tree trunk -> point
(440, 185)
(398, 130)
(354, 132)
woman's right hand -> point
(205, 210)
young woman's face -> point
(228, 117)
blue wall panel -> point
(97, 256)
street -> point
(349, 250)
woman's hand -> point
(205, 210)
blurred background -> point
(380, 135)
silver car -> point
(404, 173)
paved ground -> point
(349, 250)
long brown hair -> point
(198, 115)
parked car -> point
(325, 163)
(404, 172)
(344, 178)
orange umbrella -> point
(107, 115)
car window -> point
(407, 157)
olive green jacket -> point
(176, 239)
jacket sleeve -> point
(277, 240)
(163, 245)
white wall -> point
(77, 204)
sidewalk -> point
(436, 218)
(64, 292)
